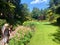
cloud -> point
(38, 1)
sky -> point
(41, 4)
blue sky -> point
(41, 4)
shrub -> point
(58, 20)
(20, 40)
(2, 21)
(30, 23)
(22, 37)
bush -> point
(58, 20)
(2, 22)
(30, 23)
(23, 36)
(21, 39)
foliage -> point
(58, 20)
(54, 3)
(21, 38)
(38, 14)
(13, 11)
(57, 36)
(24, 9)
(35, 13)
(55, 7)
(30, 23)
(2, 22)
(58, 10)
(6, 7)
(50, 15)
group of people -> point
(6, 30)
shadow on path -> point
(56, 35)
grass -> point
(43, 34)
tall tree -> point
(35, 13)
(6, 8)
(24, 11)
(55, 7)
(54, 4)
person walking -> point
(5, 33)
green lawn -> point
(43, 34)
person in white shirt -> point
(5, 33)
